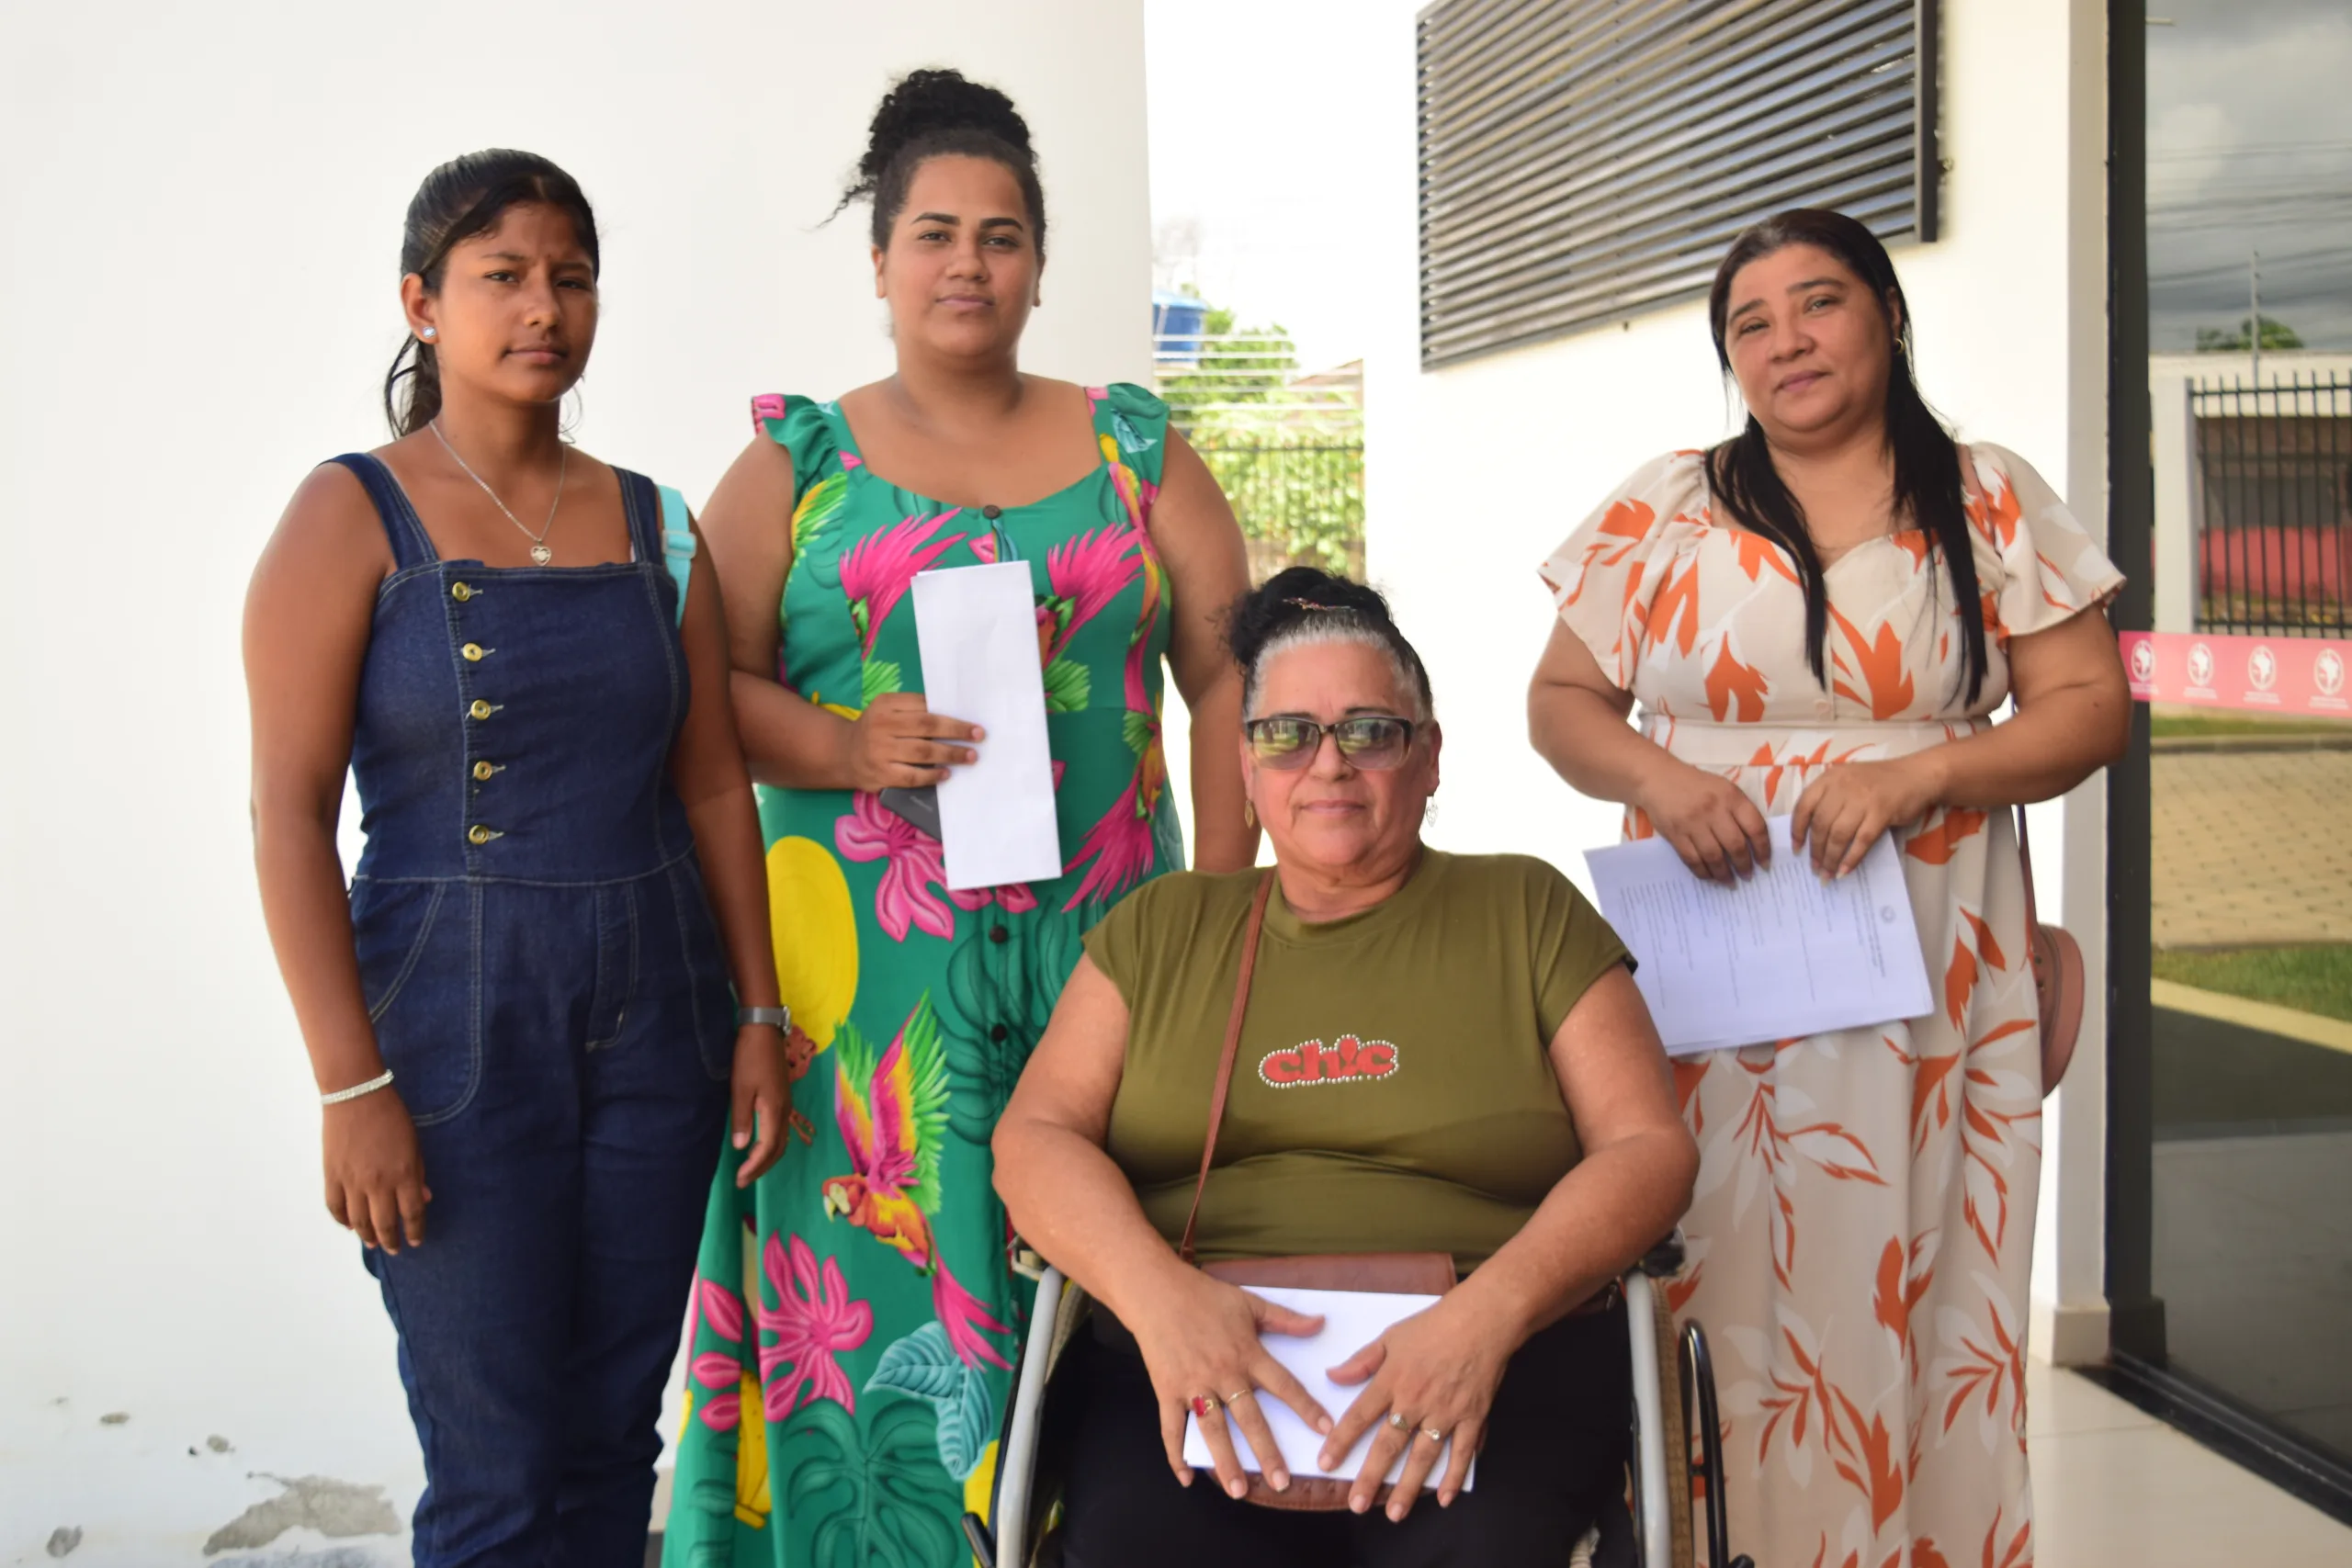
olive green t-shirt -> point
(1393, 1091)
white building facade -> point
(203, 213)
(1511, 451)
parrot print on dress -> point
(893, 1118)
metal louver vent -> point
(1585, 160)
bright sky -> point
(1282, 138)
(1282, 132)
(2250, 147)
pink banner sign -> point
(2293, 676)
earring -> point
(1249, 812)
(1429, 811)
(426, 333)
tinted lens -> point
(1284, 742)
(1372, 743)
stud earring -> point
(1249, 812)
(426, 333)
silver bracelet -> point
(779, 1019)
(355, 1090)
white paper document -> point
(1351, 1320)
(977, 629)
(1780, 955)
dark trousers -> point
(538, 1322)
(1556, 1450)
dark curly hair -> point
(931, 113)
(463, 198)
(1301, 604)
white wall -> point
(203, 209)
(1480, 469)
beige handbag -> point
(2057, 976)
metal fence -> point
(1286, 447)
(2274, 514)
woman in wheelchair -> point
(1437, 1053)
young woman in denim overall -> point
(522, 1022)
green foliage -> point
(1010, 985)
(2274, 334)
(1291, 462)
(2308, 979)
(1069, 687)
(878, 677)
(924, 1366)
(872, 1487)
(1300, 494)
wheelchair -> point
(1674, 1471)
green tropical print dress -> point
(857, 1311)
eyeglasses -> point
(1368, 740)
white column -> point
(2179, 502)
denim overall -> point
(549, 988)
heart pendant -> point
(541, 554)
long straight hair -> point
(1926, 460)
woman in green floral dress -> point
(857, 1310)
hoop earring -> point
(578, 411)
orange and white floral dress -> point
(1862, 1230)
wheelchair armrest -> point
(1665, 1260)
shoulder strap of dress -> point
(412, 546)
(1134, 443)
(658, 529)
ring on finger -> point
(1397, 1420)
(1433, 1434)
(1203, 1403)
(1236, 1398)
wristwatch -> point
(779, 1019)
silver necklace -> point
(540, 554)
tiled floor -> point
(2113, 1487)
(2249, 847)
(2252, 1244)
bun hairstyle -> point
(932, 113)
(1927, 461)
(463, 198)
(1300, 606)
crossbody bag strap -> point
(1249, 931)
(2025, 859)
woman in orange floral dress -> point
(1819, 619)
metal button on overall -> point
(472, 651)
(480, 709)
(462, 591)
(484, 770)
(478, 834)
